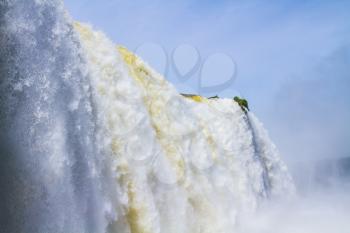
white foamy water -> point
(94, 140)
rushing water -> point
(93, 140)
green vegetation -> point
(214, 97)
(187, 95)
(243, 103)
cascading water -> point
(52, 170)
(93, 140)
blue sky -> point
(291, 58)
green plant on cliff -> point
(243, 103)
(214, 97)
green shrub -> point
(243, 103)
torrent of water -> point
(94, 140)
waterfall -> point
(93, 140)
